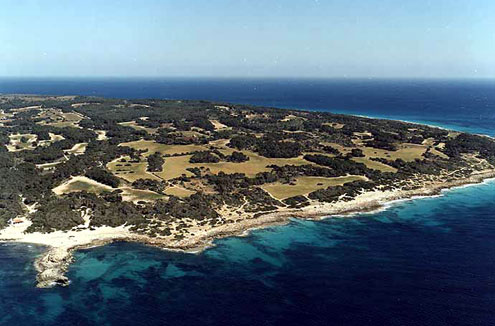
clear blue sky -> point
(296, 38)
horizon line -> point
(254, 77)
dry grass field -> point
(176, 166)
(218, 125)
(438, 153)
(374, 164)
(178, 191)
(153, 147)
(135, 126)
(135, 195)
(130, 171)
(57, 118)
(407, 152)
(305, 185)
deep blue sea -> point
(427, 261)
(467, 105)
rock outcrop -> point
(52, 266)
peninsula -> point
(80, 171)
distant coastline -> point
(445, 102)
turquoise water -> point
(428, 261)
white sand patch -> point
(102, 135)
(218, 125)
(78, 105)
(77, 149)
(66, 186)
(16, 144)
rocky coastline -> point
(54, 263)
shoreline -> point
(55, 261)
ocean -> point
(428, 261)
(467, 105)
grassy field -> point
(374, 165)
(407, 152)
(176, 166)
(438, 153)
(153, 147)
(5, 116)
(135, 126)
(130, 171)
(135, 195)
(255, 164)
(178, 191)
(57, 118)
(54, 137)
(305, 185)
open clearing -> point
(57, 118)
(406, 152)
(135, 195)
(53, 138)
(81, 183)
(438, 153)
(50, 165)
(218, 125)
(77, 149)
(153, 147)
(20, 142)
(134, 125)
(306, 185)
(176, 166)
(102, 135)
(256, 164)
(130, 171)
(374, 164)
(178, 191)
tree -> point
(155, 162)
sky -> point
(222, 38)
